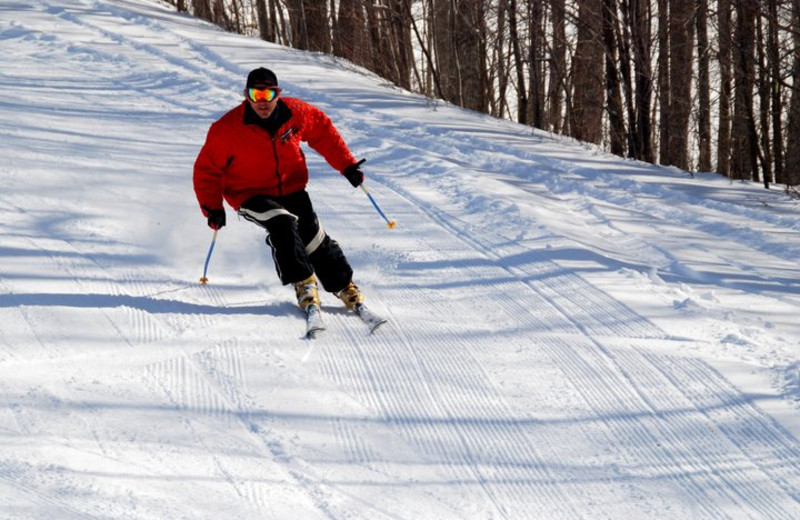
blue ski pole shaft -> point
(390, 223)
(204, 279)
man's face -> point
(262, 100)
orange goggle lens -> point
(267, 94)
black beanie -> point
(261, 77)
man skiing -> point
(252, 159)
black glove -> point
(216, 218)
(354, 173)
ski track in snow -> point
(216, 400)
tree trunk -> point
(430, 83)
(469, 39)
(622, 35)
(381, 54)
(400, 32)
(310, 25)
(500, 56)
(664, 90)
(442, 24)
(725, 71)
(202, 10)
(558, 66)
(776, 88)
(588, 81)
(351, 40)
(744, 145)
(765, 99)
(236, 24)
(535, 72)
(220, 16)
(297, 25)
(703, 89)
(264, 25)
(681, 49)
(616, 117)
(641, 34)
(792, 170)
(318, 26)
(519, 66)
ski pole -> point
(390, 223)
(204, 279)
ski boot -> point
(351, 296)
(307, 293)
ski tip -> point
(313, 333)
(372, 320)
(377, 326)
(314, 323)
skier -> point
(252, 159)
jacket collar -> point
(279, 116)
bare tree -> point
(762, 82)
(443, 24)
(664, 90)
(536, 75)
(616, 115)
(744, 145)
(430, 84)
(681, 48)
(641, 36)
(318, 26)
(519, 64)
(558, 65)
(470, 38)
(725, 87)
(398, 31)
(622, 35)
(202, 9)
(499, 105)
(793, 145)
(351, 39)
(775, 88)
(586, 115)
(264, 26)
(310, 25)
(703, 89)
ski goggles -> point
(267, 94)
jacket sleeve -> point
(209, 168)
(322, 136)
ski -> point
(314, 324)
(372, 320)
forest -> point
(702, 85)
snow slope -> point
(571, 335)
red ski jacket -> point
(241, 158)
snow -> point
(571, 335)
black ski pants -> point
(300, 246)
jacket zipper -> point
(277, 169)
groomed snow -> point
(571, 335)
